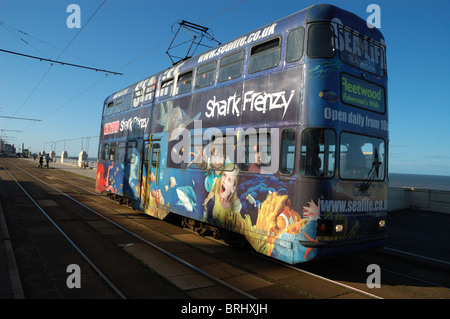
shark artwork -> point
(174, 117)
(187, 197)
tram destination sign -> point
(360, 93)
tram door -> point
(144, 174)
(150, 171)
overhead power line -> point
(132, 61)
(19, 118)
(62, 63)
(62, 52)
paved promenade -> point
(10, 285)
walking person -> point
(41, 161)
(47, 159)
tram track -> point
(283, 281)
(72, 243)
(118, 291)
(253, 272)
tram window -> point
(254, 153)
(118, 105)
(287, 152)
(166, 89)
(155, 152)
(105, 109)
(121, 152)
(231, 66)
(265, 56)
(149, 92)
(184, 83)
(126, 102)
(178, 156)
(205, 75)
(197, 154)
(219, 153)
(146, 150)
(110, 108)
(318, 153)
(320, 41)
(137, 97)
(295, 45)
(112, 152)
(215, 153)
(131, 152)
(360, 156)
(105, 152)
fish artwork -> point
(187, 197)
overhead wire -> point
(9, 27)
(59, 62)
(167, 42)
(128, 63)
(62, 52)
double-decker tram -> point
(280, 135)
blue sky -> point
(132, 37)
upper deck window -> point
(166, 89)
(118, 105)
(137, 98)
(231, 66)
(184, 83)
(149, 92)
(109, 108)
(295, 45)
(265, 56)
(320, 41)
(205, 75)
(126, 102)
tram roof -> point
(314, 13)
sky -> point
(131, 37)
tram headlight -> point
(381, 224)
(338, 228)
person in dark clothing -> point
(41, 161)
(47, 159)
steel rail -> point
(165, 252)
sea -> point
(434, 182)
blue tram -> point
(280, 135)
